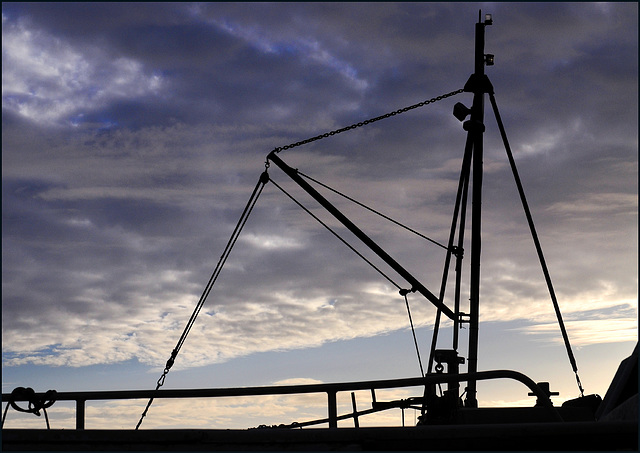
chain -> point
(369, 121)
(159, 384)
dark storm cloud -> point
(134, 133)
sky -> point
(134, 133)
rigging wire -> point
(413, 330)
(403, 292)
(458, 210)
(336, 235)
(264, 178)
(373, 210)
(536, 241)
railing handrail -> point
(292, 389)
(330, 388)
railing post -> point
(80, 414)
(356, 423)
(333, 409)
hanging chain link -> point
(369, 121)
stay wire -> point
(336, 235)
(223, 258)
(458, 211)
(413, 331)
(536, 241)
(402, 291)
(264, 178)
(372, 210)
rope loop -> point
(35, 404)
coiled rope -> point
(36, 403)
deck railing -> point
(331, 390)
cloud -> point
(48, 80)
(588, 332)
(603, 203)
(164, 114)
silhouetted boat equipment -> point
(446, 422)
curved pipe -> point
(306, 388)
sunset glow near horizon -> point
(134, 133)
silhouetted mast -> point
(478, 84)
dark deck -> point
(576, 436)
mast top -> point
(487, 18)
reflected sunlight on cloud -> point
(271, 242)
(47, 80)
(301, 47)
(587, 332)
(552, 139)
(600, 203)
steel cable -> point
(336, 235)
(413, 331)
(362, 205)
(264, 178)
(536, 241)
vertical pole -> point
(80, 414)
(464, 192)
(333, 409)
(475, 126)
(458, 211)
(356, 422)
